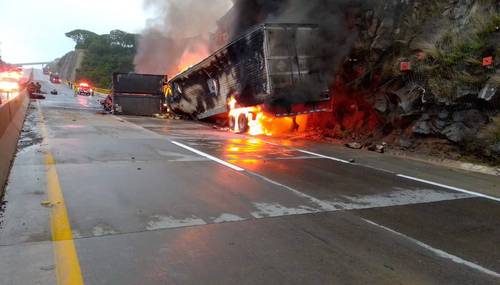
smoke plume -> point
(183, 32)
(336, 20)
(178, 35)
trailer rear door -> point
(291, 59)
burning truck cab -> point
(272, 71)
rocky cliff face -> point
(420, 71)
(67, 65)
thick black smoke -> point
(248, 13)
(178, 33)
(183, 28)
(336, 20)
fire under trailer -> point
(275, 66)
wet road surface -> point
(151, 201)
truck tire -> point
(242, 123)
(232, 123)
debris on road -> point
(224, 129)
(47, 204)
(167, 116)
(354, 145)
(380, 148)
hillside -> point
(422, 76)
(96, 57)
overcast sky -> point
(33, 30)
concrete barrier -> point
(12, 114)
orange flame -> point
(261, 123)
(191, 56)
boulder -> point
(410, 98)
(456, 132)
(381, 103)
(439, 124)
(473, 118)
(422, 128)
(495, 149)
(380, 148)
(443, 114)
(384, 37)
(354, 145)
(405, 143)
(466, 93)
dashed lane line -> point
(438, 252)
(473, 193)
(213, 158)
(323, 156)
(450, 187)
(321, 206)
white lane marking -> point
(324, 205)
(323, 156)
(168, 222)
(397, 197)
(405, 176)
(277, 210)
(438, 252)
(318, 155)
(450, 187)
(311, 153)
(226, 218)
(220, 161)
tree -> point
(123, 39)
(83, 38)
(105, 54)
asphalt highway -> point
(100, 199)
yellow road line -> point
(68, 270)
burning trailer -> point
(270, 72)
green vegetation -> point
(83, 38)
(458, 57)
(104, 54)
